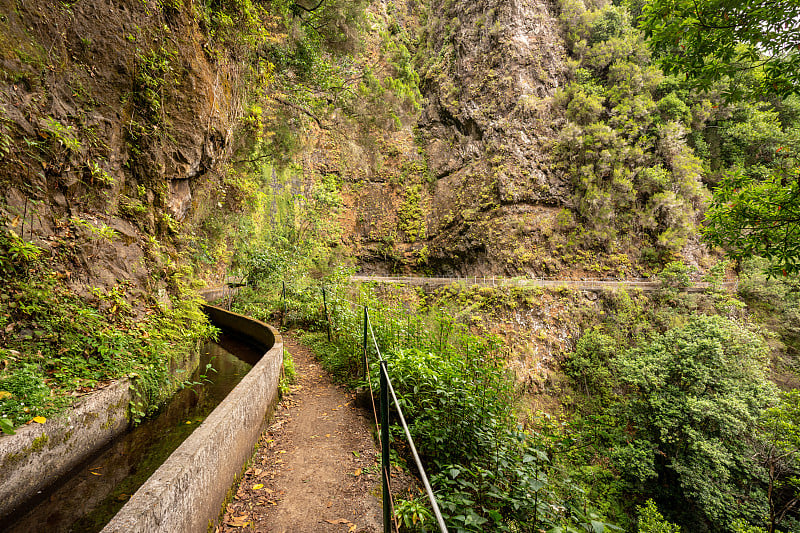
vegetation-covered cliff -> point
(148, 147)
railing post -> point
(385, 464)
(327, 317)
(364, 361)
(283, 297)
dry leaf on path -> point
(339, 521)
(238, 521)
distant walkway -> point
(582, 284)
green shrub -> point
(28, 395)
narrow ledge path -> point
(316, 467)
(644, 284)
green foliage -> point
(99, 175)
(753, 215)
(334, 22)
(154, 75)
(55, 342)
(17, 255)
(497, 478)
(448, 399)
(673, 108)
(588, 366)
(289, 375)
(741, 526)
(64, 136)
(651, 521)
(712, 39)
(676, 275)
(624, 147)
(29, 395)
(696, 394)
(410, 214)
(7, 426)
(414, 515)
(778, 449)
(774, 301)
(294, 227)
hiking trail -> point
(317, 468)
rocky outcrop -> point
(489, 71)
(114, 111)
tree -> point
(695, 397)
(779, 450)
(712, 39)
(759, 216)
(676, 275)
(651, 521)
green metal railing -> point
(381, 411)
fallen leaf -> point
(338, 521)
(352, 528)
(39, 419)
(357, 472)
(238, 521)
(96, 473)
(258, 486)
(327, 434)
(5, 394)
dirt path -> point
(316, 466)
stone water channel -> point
(87, 498)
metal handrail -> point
(387, 389)
(385, 415)
(428, 489)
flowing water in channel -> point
(92, 494)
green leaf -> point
(7, 427)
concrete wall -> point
(187, 492)
(40, 453)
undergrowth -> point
(56, 345)
(488, 473)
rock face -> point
(492, 68)
(488, 71)
(113, 111)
